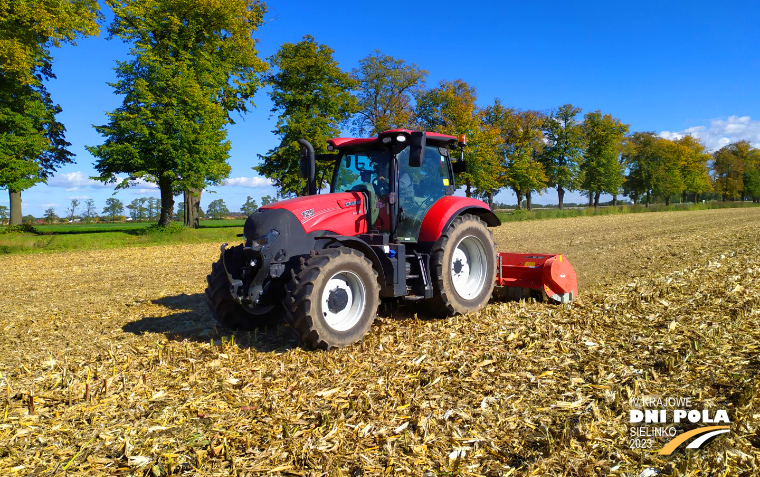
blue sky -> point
(671, 67)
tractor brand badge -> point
(353, 202)
(307, 213)
(656, 418)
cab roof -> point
(342, 142)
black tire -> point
(305, 294)
(225, 309)
(471, 235)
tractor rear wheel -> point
(333, 300)
(225, 309)
(462, 266)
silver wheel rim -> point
(468, 267)
(343, 286)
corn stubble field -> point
(111, 365)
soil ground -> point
(111, 364)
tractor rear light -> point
(386, 139)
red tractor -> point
(391, 227)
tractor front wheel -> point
(462, 266)
(225, 309)
(333, 299)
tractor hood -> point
(342, 213)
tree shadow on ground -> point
(191, 320)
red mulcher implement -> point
(391, 227)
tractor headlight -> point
(265, 240)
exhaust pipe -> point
(308, 166)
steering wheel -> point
(422, 209)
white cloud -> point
(72, 181)
(248, 182)
(721, 132)
(144, 185)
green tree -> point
(250, 206)
(194, 62)
(152, 207)
(667, 180)
(521, 144)
(3, 214)
(217, 209)
(563, 151)
(32, 143)
(311, 95)
(29, 30)
(137, 208)
(640, 155)
(752, 183)
(266, 200)
(72, 210)
(114, 208)
(694, 169)
(89, 210)
(450, 109)
(50, 216)
(181, 211)
(601, 170)
(386, 89)
(29, 219)
(729, 165)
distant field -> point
(57, 238)
(511, 215)
(119, 226)
(61, 237)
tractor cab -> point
(402, 173)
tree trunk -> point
(590, 199)
(649, 198)
(519, 199)
(468, 191)
(561, 197)
(683, 197)
(15, 196)
(614, 200)
(528, 201)
(490, 199)
(192, 204)
(667, 200)
(167, 202)
(596, 199)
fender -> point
(355, 243)
(446, 209)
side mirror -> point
(459, 166)
(308, 167)
(417, 148)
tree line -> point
(525, 151)
(194, 64)
(140, 209)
